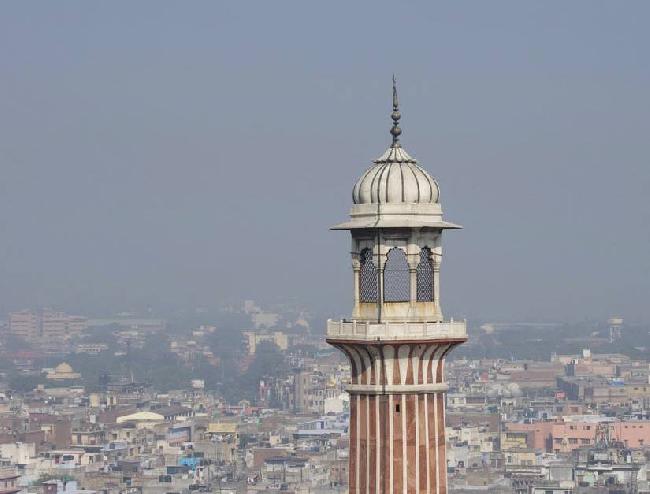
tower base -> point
(397, 406)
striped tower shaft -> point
(397, 424)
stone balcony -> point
(391, 331)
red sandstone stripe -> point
(363, 445)
(422, 445)
(383, 379)
(353, 444)
(397, 378)
(411, 446)
(384, 417)
(372, 440)
(373, 365)
(442, 461)
(397, 444)
(353, 365)
(432, 441)
(409, 366)
(430, 378)
(421, 363)
(440, 363)
(363, 372)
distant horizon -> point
(164, 155)
(212, 313)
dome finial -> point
(396, 115)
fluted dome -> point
(63, 368)
(395, 178)
(408, 195)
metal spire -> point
(396, 115)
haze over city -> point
(303, 248)
(169, 155)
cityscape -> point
(222, 271)
(257, 402)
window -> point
(425, 276)
(397, 281)
(367, 277)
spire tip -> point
(396, 115)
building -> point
(63, 372)
(50, 325)
(253, 339)
(397, 338)
(570, 433)
(25, 324)
(9, 481)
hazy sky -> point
(177, 154)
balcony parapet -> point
(395, 331)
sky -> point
(180, 154)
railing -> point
(395, 330)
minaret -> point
(396, 340)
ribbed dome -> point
(395, 177)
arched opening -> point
(367, 277)
(397, 282)
(425, 276)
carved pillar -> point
(381, 264)
(356, 272)
(380, 291)
(414, 283)
(436, 284)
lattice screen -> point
(368, 277)
(425, 276)
(397, 282)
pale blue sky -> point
(179, 153)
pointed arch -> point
(425, 276)
(397, 281)
(367, 277)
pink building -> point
(563, 436)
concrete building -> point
(253, 339)
(47, 324)
(396, 339)
(25, 324)
(571, 433)
(9, 481)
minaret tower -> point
(397, 338)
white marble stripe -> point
(404, 447)
(367, 399)
(435, 439)
(417, 442)
(377, 448)
(358, 452)
(391, 406)
(444, 424)
(426, 440)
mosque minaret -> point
(396, 339)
